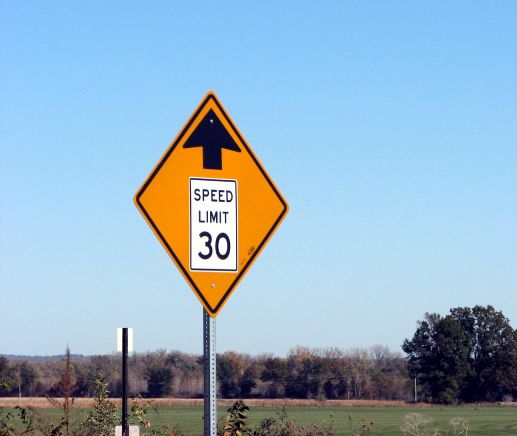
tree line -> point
(376, 373)
(469, 355)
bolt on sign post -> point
(213, 207)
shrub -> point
(417, 424)
(102, 419)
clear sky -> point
(390, 127)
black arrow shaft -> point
(212, 158)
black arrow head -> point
(213, 137)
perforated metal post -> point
(210, 388)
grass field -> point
(483, 420)
(387, 420)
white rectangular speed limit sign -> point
(213, 224)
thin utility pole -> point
(20, 384)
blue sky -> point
(390, 127)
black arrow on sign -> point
(213, 137)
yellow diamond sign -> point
(211, 204)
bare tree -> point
(63, 398)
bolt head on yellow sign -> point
(211, 204)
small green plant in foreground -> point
(365, 427)
(140, 416)
(236, 420)
(102, 419)
(6, 427)
(237, 417)
(418, 424)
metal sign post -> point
(210, 382)
(125, 428)
(125, 345)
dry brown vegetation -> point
(84, 403)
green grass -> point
(484, 420)
(489, 420)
